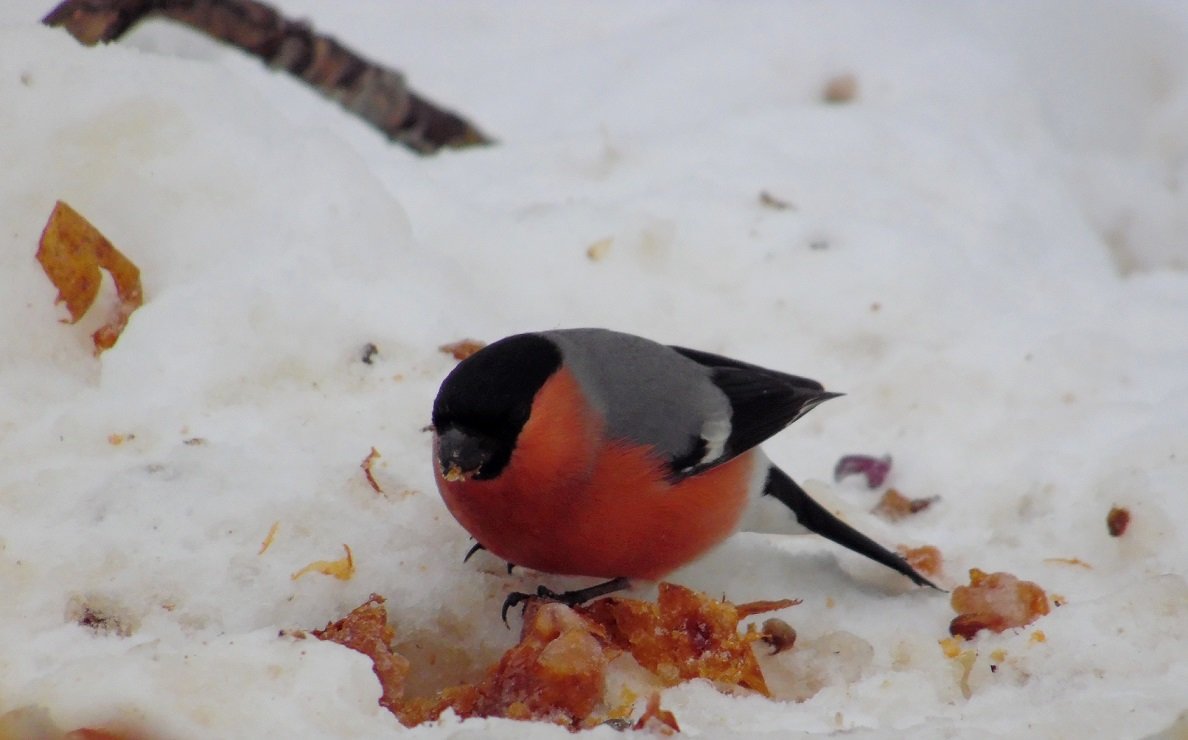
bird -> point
(592, 452)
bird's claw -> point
(515, 598)
(568, 598)
(470, 553)
(479, 546)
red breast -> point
(571, 502)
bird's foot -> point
(478, 546)
(470, 553)
(568, 598)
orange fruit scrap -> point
(72, 251)
(463, 348)
(926, 559)
(997, 602)
(894, 506)
(557, 671)
(366, 465)
(342, 569)
(1117, 521)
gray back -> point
(648, 393)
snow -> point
(985, 250)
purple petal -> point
(874, 468)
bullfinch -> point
(597, 453)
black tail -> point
(816, 518)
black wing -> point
(762, 401)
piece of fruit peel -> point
(342, 569)
(72, 252)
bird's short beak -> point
(460, 455)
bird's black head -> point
(484, 402)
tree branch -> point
(374, 93)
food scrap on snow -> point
(875, 469)
(557, 671)
(894, 506)
(997, 602)
(463, 348)
(72, 252)
(342, 569)
(366, 465)
(1117, 521)
(926, 559)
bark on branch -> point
(374, 93)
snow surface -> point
(986, 250)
